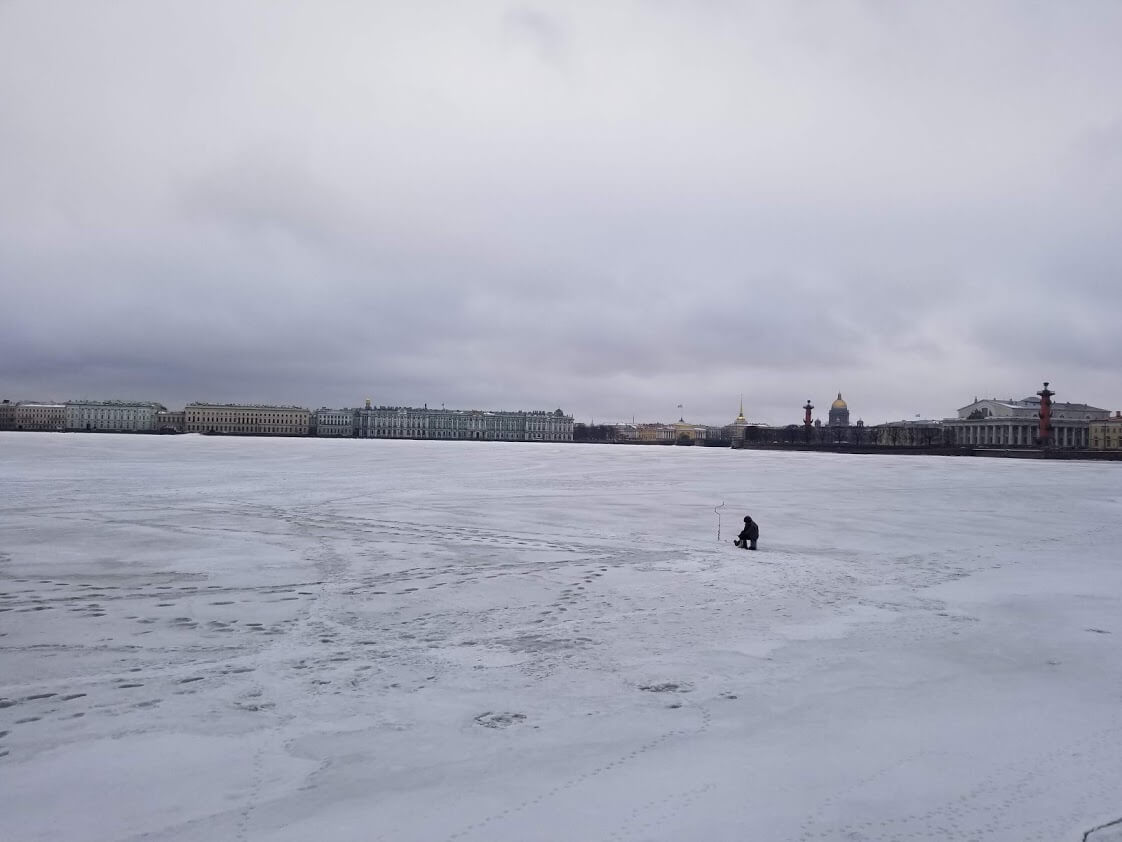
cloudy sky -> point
(611, 207)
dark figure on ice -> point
(748, 536)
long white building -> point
(459, 424)
(113, 416)
(246, 419)
(406, 422)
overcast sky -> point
(610, 207)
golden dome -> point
(839, 403)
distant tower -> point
(740, 419)
(1045, 415)
(839, 413)
(368, 403)
(806, 418)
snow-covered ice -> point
(244, 639)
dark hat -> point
(747, 518)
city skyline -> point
(614, 208)
(819, 413)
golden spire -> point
(741, 417)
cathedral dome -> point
(839, 413)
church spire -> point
(741, 417)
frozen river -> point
(215, 639)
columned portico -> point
(998, 433)
(992, 422)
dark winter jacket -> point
(750, 532)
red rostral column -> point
(1045, 415)
(809, 409)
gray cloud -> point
(544, 32)
(616, 209)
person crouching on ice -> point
(748, 536)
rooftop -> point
(152, 404)
(205, 405)
(1033, 402)
(558, 413)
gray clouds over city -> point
(611, 207)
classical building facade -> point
(918, 433)
(548, 426)
(171, 421)
(385, 422)
(7, 415)
(1106, 434)
(112, 416)
(42, 417)
(405, 422)
(247, 419)
(682, 431)
(626, 432)
(336, 423)
(992, 422)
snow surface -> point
(244, 639)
